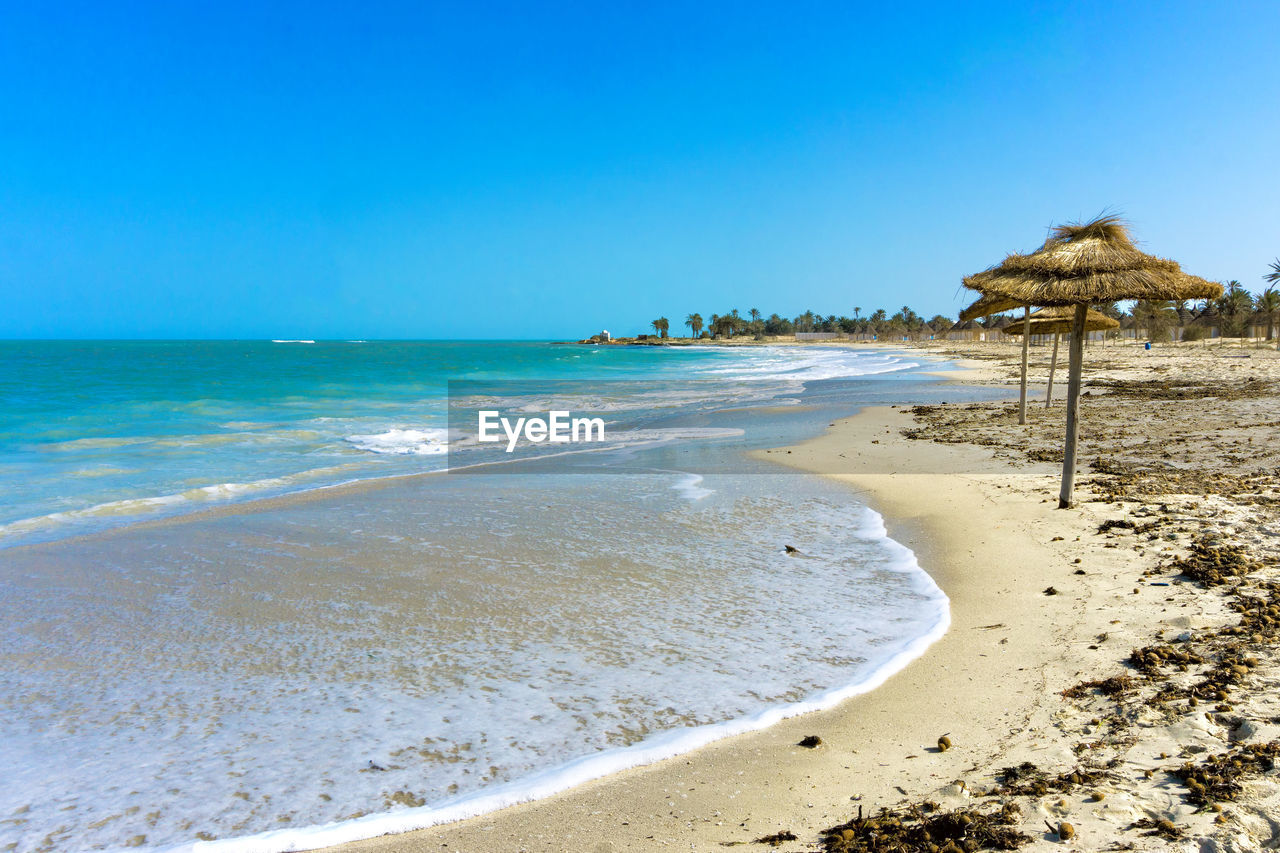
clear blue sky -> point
(537, 170)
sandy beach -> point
(586, 429)
(1177, 494)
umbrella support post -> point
(1073, 408)
(1026, 342)
(1053, 366)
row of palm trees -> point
(755, 324)
(1234, 312)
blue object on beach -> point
(1148, 344)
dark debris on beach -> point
(1155, 443)
(1026, 779)
(924, 828)
(1220, 777)
(1146, 438)
(1116, 685)
(1170, 389)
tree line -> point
(755, 324)
(1233, 313)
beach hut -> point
(1257, 326)
(1185, 316)
(1079, 265)
(1055, 321)
(1206, 322)
(964, 331)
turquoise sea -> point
(98, 433)
(244, 607)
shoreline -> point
(758, 783)
(665, 746)
(1045, 604)
(973, 502)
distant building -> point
(604, 336)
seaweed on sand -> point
(1161, 828)
(1151, 660)
(1127, 524)
(1028, 780)
(1212, 563)
(777, 838)
(923, 829)
(1120, 483)
(1116, 685)
(1166, 389)
(1221, 777)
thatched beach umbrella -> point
(1080, 265)
(988, 305)
(996, 304)
(1055, 321)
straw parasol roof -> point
(1081, 264)
(1091, 263)
(987, 305)
(1049, 321)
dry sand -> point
(1184, 460)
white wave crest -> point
(404, 442)
(129, 507)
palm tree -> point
(1234, 305)
(755, 314)
(694, 322)
(856, 311)
(1156, 316)
(1274, 275)
(660, 326)
(877, 319)
(1269, 304)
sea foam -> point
(891, 659)
(399, 442)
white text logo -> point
(556, 427)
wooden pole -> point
(1053, 365)
(1026, 342)
(1073, 408)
